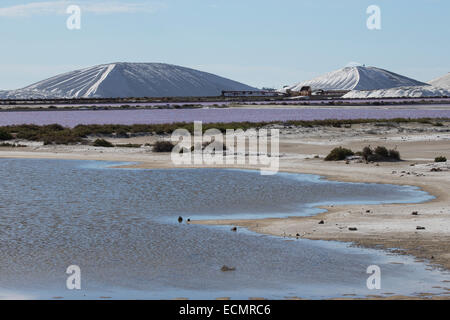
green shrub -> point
(64, 136)
(163, 146)
(367, 153)
(58, 134)
(4, 135)
(53, 127)
(103, 143)
(338, 154)
(382, 152)
(128, 145)
(394, 155)
(440, 159)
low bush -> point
(4, 135)
(440, 159)
(59, 137)
(338, 154)
(367, 153)
(102, 143)
(163, 146)
(128, 145)
(380, 154)
(58, 134)
(394, 155)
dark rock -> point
(227, 269)
(420, 228)
(180, 219)
(415, 213)
(353, 229)
(322, 222)
(234, 229)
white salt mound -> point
(443, 82)
(358, 78)
(122, 80)
(402, 92)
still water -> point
(120, 226)
(129, 117)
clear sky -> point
(258, 42)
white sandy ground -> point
(380, 226)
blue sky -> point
(261, 43)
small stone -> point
(420, 228)
(415, 213)
(353, 229)
(234, 229)
(322, 222)
(180, 219)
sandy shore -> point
(379, 226)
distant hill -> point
(124, 80)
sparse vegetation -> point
(11, 145)
(57, 134)
(163, 146)
(338, 154)
(379, 154)
(366, 153)
(128, 145)
(102, 143)
(440, 159)
(4, 135)
(394, 155)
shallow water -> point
(120, 226)
(129, 117)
